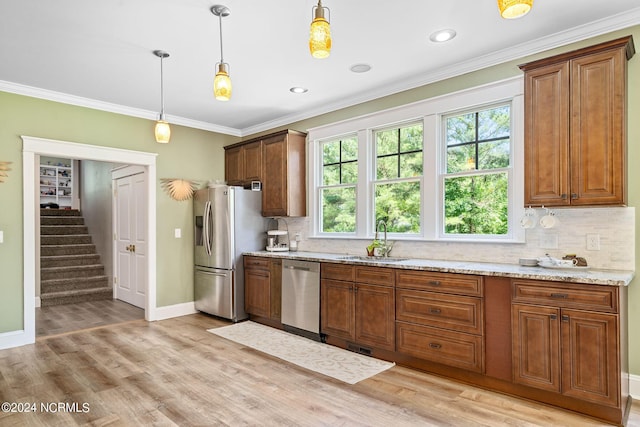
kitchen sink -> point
(371, 258)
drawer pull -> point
(434, 311)
(553, 317)
(561, 296)
(565, 318)
(435, 345)
(434, 282)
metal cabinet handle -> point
(553, 317)
(435, 345)
(563, 196)
(565, 318)
(434, 311)
(434, 282)
(560, 296)
(574, 196)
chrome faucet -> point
(386, 248)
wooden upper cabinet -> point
(243, 163)
(575, 133)
(234, 165)
(283, 189)
(278, 161)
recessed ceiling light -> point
(298, 89)
(442, 35)
(360, 68)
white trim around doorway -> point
(32, 147)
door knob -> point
(131, 248)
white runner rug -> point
(323, 358)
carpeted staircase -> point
(70, 268)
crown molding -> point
(79, 101)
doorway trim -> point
(33, 146)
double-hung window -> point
(338, 189)
(448, 168)
(398, 181)
(476, 175)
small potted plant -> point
(372, 247)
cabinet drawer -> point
(256, 262)
(337, 272)
(450, 348)
(450, 283)
(590, 297)
(463, 314)
(375, 275)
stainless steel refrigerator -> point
(227, 223)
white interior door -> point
(130, 207)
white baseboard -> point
(176, 310)
(15, 339)
(634, 386)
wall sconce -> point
(320, 34)
(510, 9)
(222, 81)
(179, 189)
(162, 131)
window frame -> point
(443, 174)
(430, 112)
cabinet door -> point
(598, 129)
(233, 166)
(375, 316)
(547, 136)
(591, 368)
(536, 346)
(257, 295)
(274, 190)
(337, 309)
(252, 161)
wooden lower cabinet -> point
(439, 318)
(361, 313)
(572, 352)
(562, 344)
(263, 287)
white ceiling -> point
(99, 53)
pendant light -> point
(222, 81)
(320, 34)
(163, 131)
(510, 9)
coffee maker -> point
(277, 240)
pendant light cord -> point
(161, 88)
(221, 55)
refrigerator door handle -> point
(206, 231)
(209, 273)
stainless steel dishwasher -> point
(301, 298)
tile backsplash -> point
(615, 227)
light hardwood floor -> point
(58, 319)
(174, 373)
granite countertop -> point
(573, 275)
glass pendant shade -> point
(163, 132)
(320, 34)
(510, 9)
(222, 83)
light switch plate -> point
(1, 236)
(177, 233)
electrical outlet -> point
(593, 242)
(298, 238)
(548, 241)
